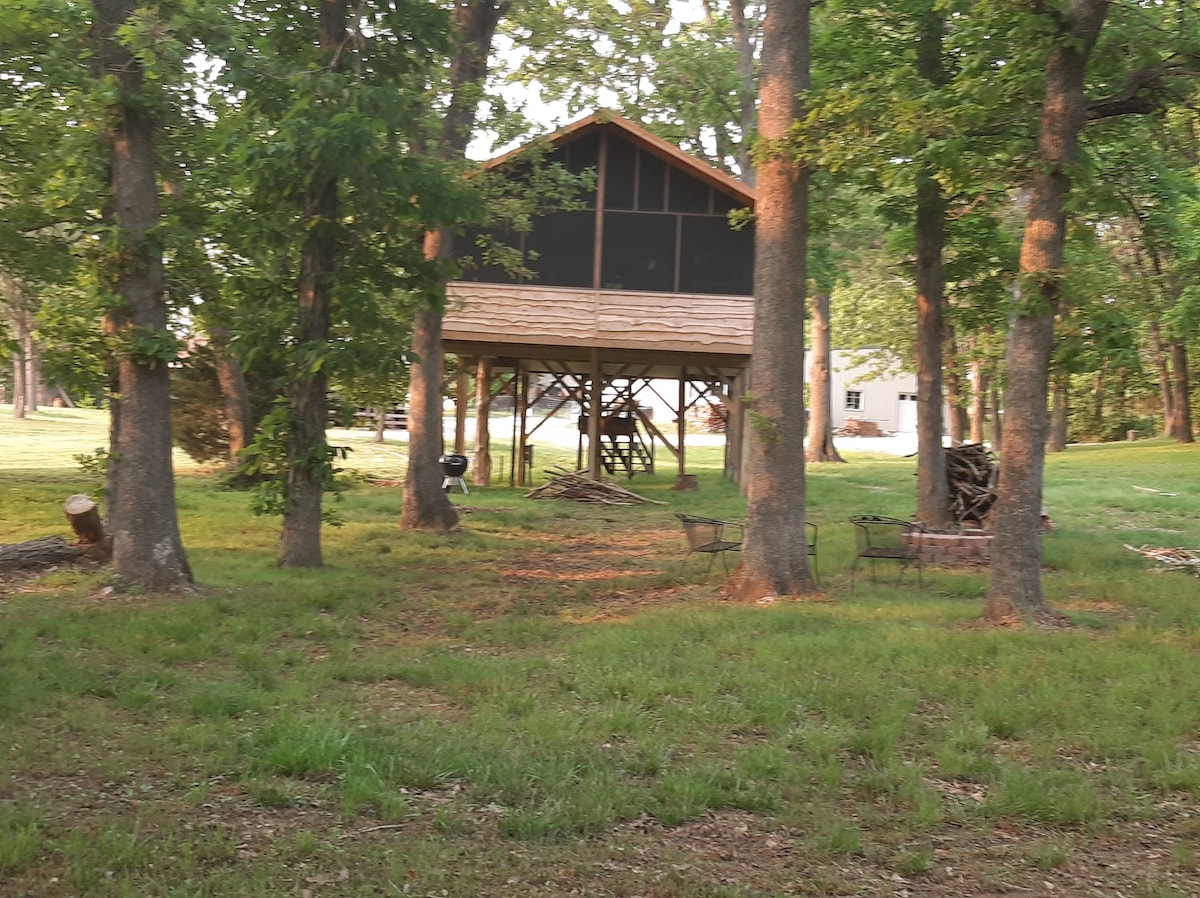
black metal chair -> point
(712, 537)
(810, 532)
(891, 539)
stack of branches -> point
(1176, 559)
(973, 474)
(576, 486)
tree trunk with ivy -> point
(146, 544)
(774, 560)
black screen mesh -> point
(639, 252)
(563, 242)
(715, 258)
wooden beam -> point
(482, 469)
(461, 384)
(601, 187)
(681, 422)
(595, 410)
(522, 414)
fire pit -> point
(953, 547)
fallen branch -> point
(1176, 559)
(1147, 489)
(573, 485)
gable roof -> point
(651, 143)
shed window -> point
(854, 400)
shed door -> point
(906, 420)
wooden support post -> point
(681, 422)
(522, 414)
(482, 468)
(461, 385)
(684, 482)
(595, 412)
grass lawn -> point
(555, 701)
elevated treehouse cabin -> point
(648, 283)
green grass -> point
(555, 701)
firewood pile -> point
(713, 417)
(577, 487)
(973, 475)
(1171, 559)
(858, 427)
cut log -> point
(84, 516)
(37, 553)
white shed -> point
(861, 390)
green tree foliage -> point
(324, 118)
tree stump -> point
(686, 483)
(37, 553)
(84, 516)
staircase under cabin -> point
(623, 446)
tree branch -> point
(1142, 93)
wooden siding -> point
(508, 314)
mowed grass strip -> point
(557, 701)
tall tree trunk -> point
(1060, 416)
(1159, 351)
(979, 396)
(959, 422)
(19, 382)
(819, 445)
(22, 325)
(1015, 585)
(307, 451)
(147, 548)
(33, 369)
(426, 506)
(997, 416)
(933, 490)
(774, 560)
(1182, 420)
(1099, 390)
(747, 108)
(235, 396)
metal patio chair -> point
(879, 537)
(712, 537)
